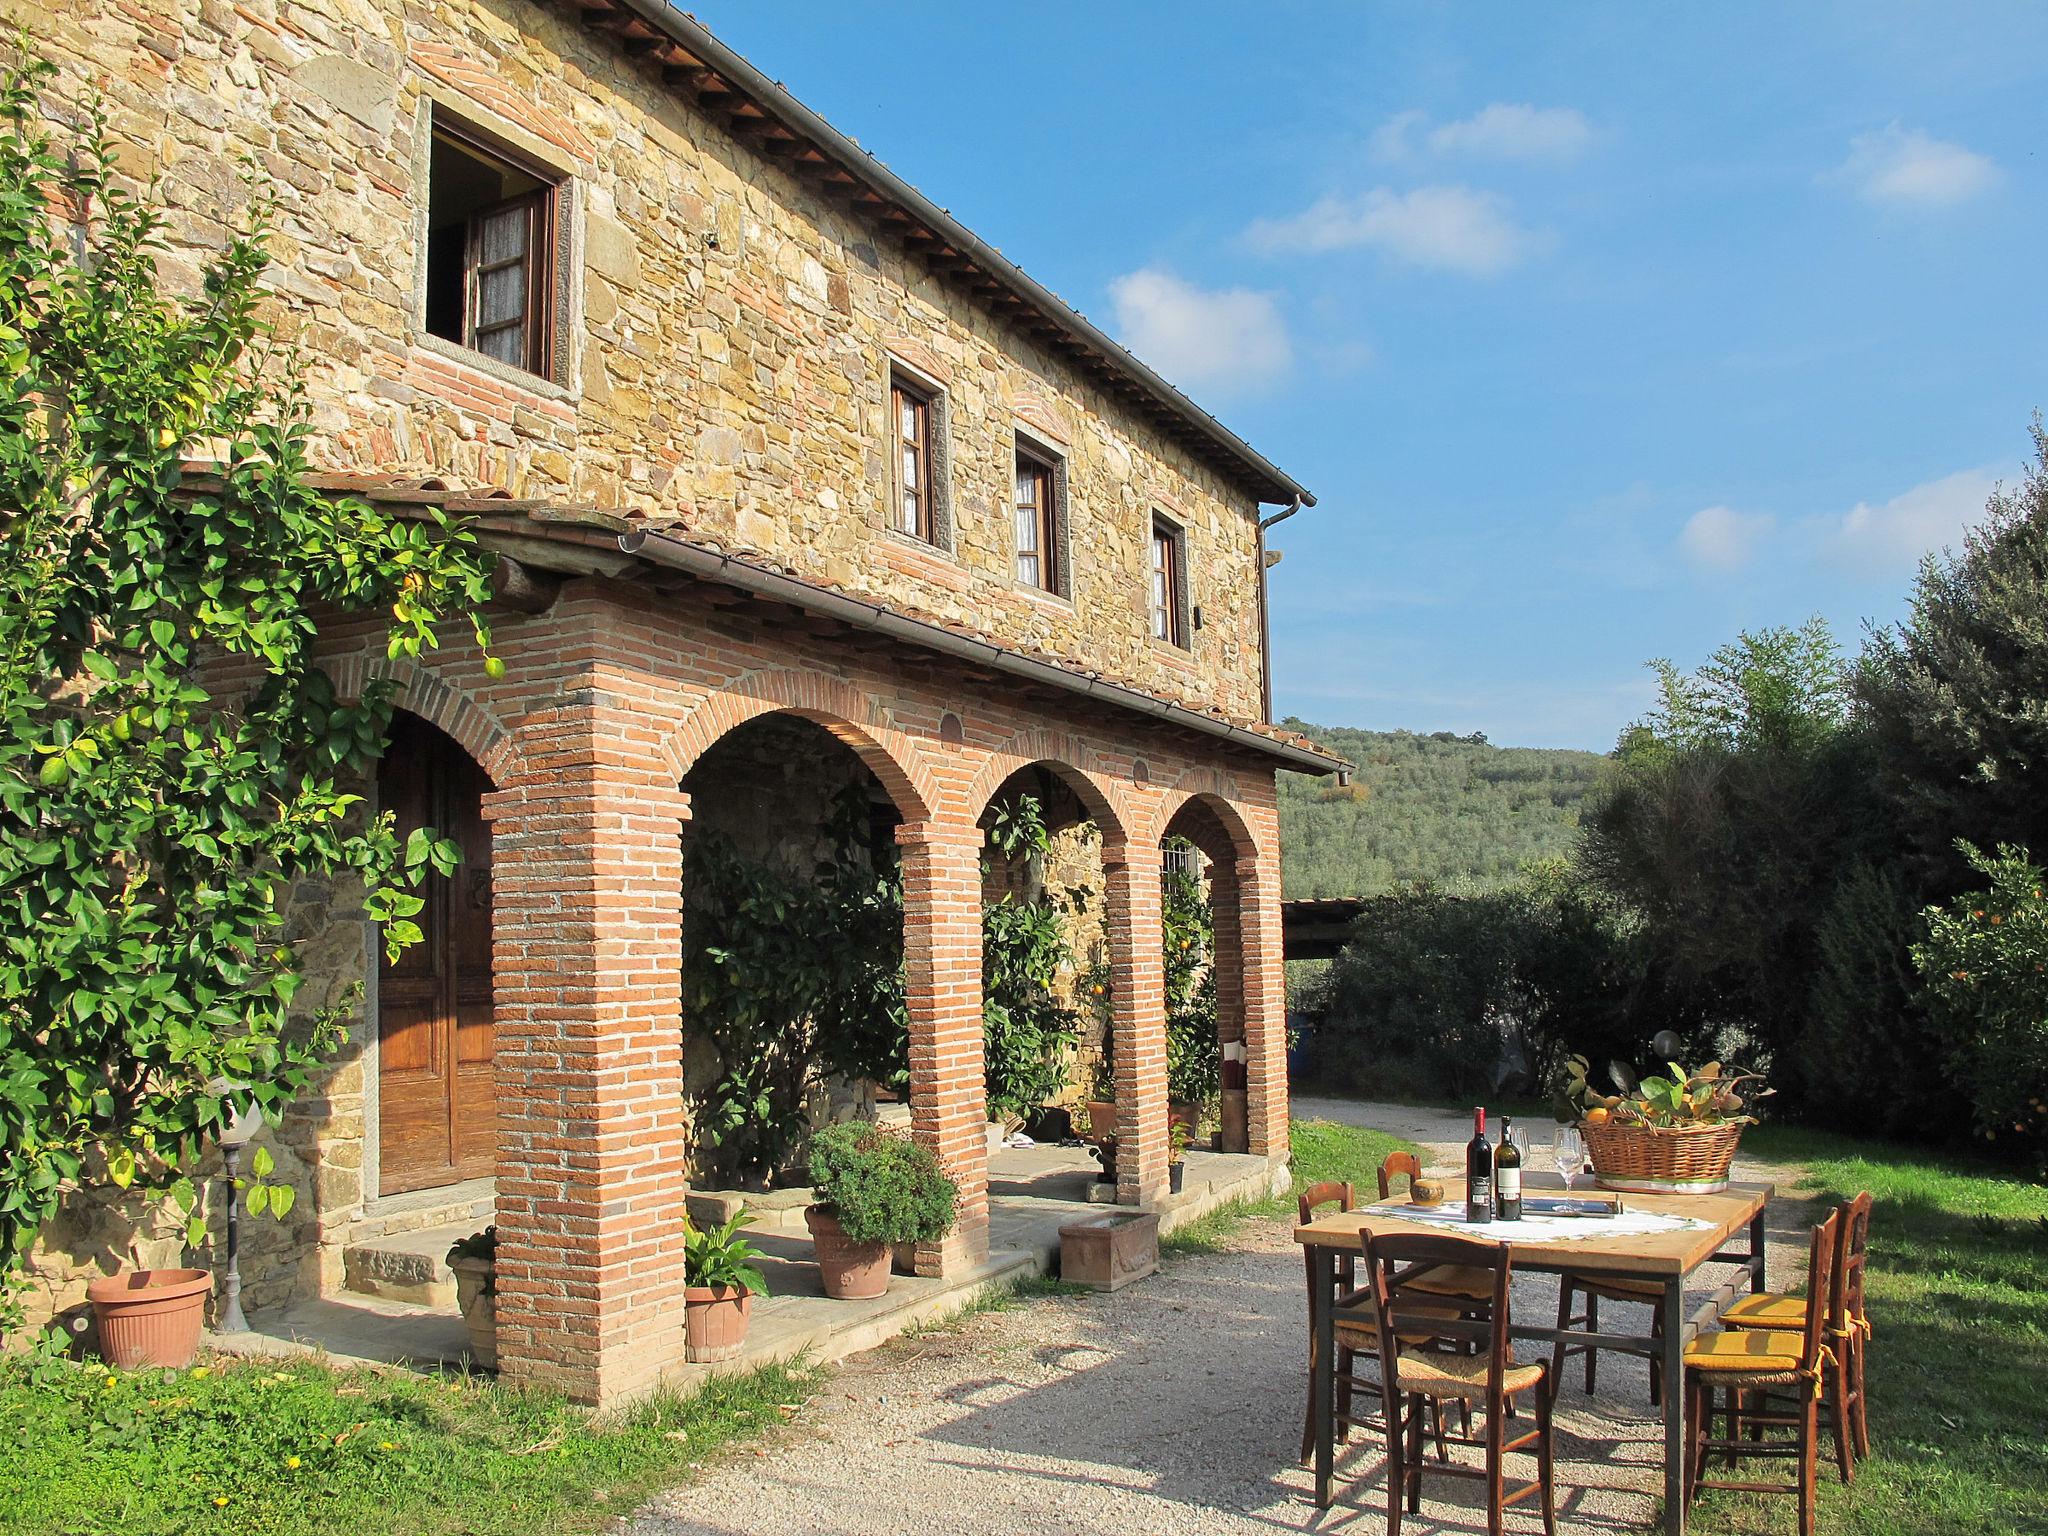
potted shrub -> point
(150, 1316)
(1673, 1134)
(1176, 1150)
(874, 1188)
(475, 1262)
(720, 1283)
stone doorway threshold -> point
(1032, 1192)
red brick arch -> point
(449, 709)
(1104, 798)
(831, 702)
(1213, 791)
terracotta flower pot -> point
(850, 1271)
(476, 1297)
(150, 1316)
(715, 1321)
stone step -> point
(406, 1266)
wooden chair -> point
(1427, 1358)
(1355, 1325)
(1772, 1379)
(1847, 1326)
(1596, 1289)
(1450, 1282)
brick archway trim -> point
(1213, 791)
(850, 716)
(440, 703)
(1113, 813)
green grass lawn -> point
(1958, 1373)
(254, 1448)
(1322, 1150)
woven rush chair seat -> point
(1358, 1326)
(1619, 1287)
(1452, 1280)
(1440, 1375)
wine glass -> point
(1568, 1149)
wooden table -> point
(1668, 1258)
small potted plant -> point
(720, 1283)
(874, 1188)
(1176, 1150)
(474, 1259)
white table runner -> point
(1536, 1229)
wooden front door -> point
(436, 1086)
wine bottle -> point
(1507, 1173)
(1478, 1171)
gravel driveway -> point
(1173, 1406)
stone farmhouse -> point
(765, 440)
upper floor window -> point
(492, 276)
(911, 409)
(1038, 523)
(1169, 583)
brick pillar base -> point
(1263, 984)
(942, 974)
(1131, 918)
(586, 911)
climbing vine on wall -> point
(1028, 1034)
(151, 819)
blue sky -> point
(1601, 331)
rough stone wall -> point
(730, 336)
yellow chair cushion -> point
(1767, 1311)
(1452, 1280)
(1748, 1358)
(1436, 1375)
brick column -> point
(1227, 962)
(942, 976)
(1264, 987)
(591, 1178)
(1138, 1019)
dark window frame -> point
(1166, 582)
(544, 312)
(907, 396)
(1043, 471)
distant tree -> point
(1956, 697)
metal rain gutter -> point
(678, 554)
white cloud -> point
(1894, 535)
(1723, 539)
(1453, 229)
(1505, 130)
(1904, 167)
(1233, 337)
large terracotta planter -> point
(715, 1322)
(150, 1316)
(850, 1271)
(476, 1296)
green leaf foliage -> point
(720, 1256)
(172, 758)
(883, 1187)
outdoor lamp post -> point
(234, 1136)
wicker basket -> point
(1661, 1160)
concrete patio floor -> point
(1032, 1193)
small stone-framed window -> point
(1039, 507)
(496, 250)
(1169, 581)
(920, 502)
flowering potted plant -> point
(1662, 1134)
(720, 1283)
(874, 1188)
